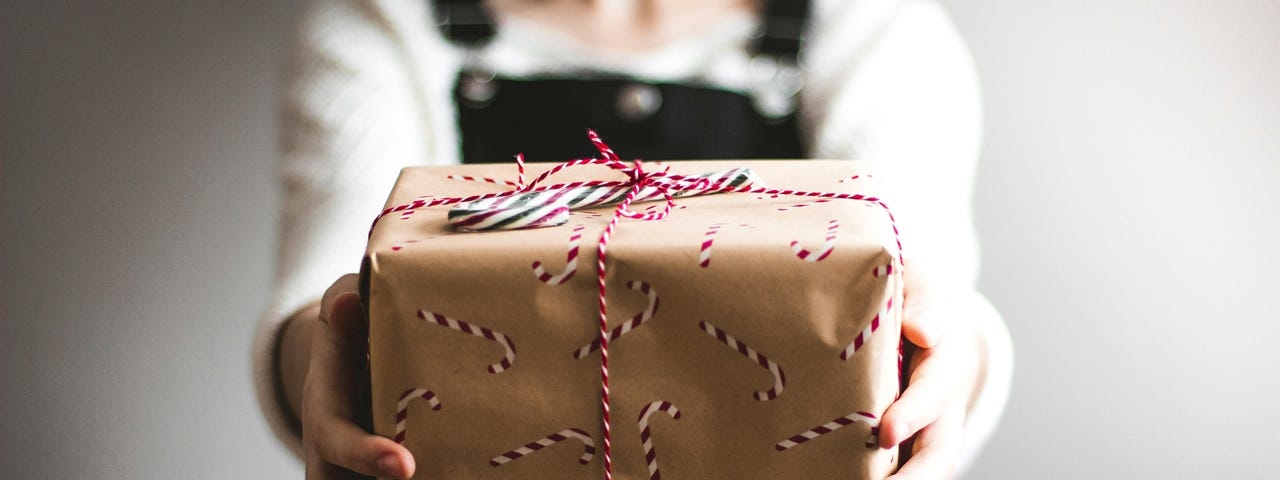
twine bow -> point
(529, 205)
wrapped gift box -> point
(757, 335)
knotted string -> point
(667, 186)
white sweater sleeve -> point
(351, 115)
(892, 82)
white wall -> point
(1128, 207)
(137, 211)
(1126, 203)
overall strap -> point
(466, 23)
(469, 23)
(783, 28)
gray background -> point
(1126, 202)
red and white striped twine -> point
(458, 325)
(646, 439)
(779, 378)
(588, 446)
(402, 408)
(571, 261)
(629, 325)
(407, 213)
(469, 178)
(668, 185)
(509, 183)
(832, 426)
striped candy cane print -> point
(827, 247)
(832, 426)
(865, 334)
(779, 378)
(571, 261)
(588, 446)
(646, 439)
(704, 254)
(399, 246)
(402, 408)
(464, 327)
(804, 204)
(708, 239)
(629, 325)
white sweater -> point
(369, 90)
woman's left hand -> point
(943, 373)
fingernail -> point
(389, 465)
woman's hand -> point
(336, 447)
(943, 373)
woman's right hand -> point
(336, 446)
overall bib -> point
(545, 118)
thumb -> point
(921, 322)
(340, 308)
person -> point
(376, 85)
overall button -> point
(477, 89)
(638, 101)
(775, 83)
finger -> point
(329, 423)
(936, 381)
(937, 448)
(348, 446)
(924, 321)
(335, 372)
(927, 306)
(340, 306)
(330, 428)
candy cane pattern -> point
(832, 426)
(779, 378)
(883, 271)
(629, 325)
(588, 446)
(865, 334)
(465, 327)
(855, 177)
(827, 247)
(397, 247)
(571, 261)
(704, 254)
(804, 204)
(402, 409)
(708, 239)
(646, 440)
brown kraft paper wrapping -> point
(700, 349)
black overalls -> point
(546, 118)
